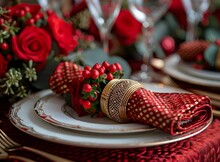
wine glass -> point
(104, 13)
(194, 10)
(148, 12)
(54, 5)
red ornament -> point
(168, 45)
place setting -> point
(47, 114)
(69, 90)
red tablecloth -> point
(202, 147)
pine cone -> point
(62, 77)
(189, 50)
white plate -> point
(171, 67)
(23, 117)
(187, 68)
(54, 110)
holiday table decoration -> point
(175, 113)
(32, 43)
(201, 54)
(99, 90)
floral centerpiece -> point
(29, 39)
(126, 34)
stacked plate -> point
(47, 116)
(199, 81)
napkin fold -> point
(125, 100)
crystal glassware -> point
(104, 13)
(194, 11)
(148, 12)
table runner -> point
(202, 147)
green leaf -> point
(92, 56)
(92, 94)
(212, 34)
(44, 75)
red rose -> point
(3, 65)
(62, 33)
(32, 43)
(126, 27)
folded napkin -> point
(125, 100)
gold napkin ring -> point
(115, 96)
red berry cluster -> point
(84, 40)
(95, 79)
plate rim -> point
(15, 108)
(186, 68)
(171, 69)
(81, 127)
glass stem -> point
(148, 31)
(104, 39)
(192, 28)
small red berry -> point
(199, 57)
(17, 12)
(4, 46)
(2, 21)
(27, 8)
(87, 68)
(96, 66)
(37, 17)
(86, 74)
(109, 76)
(94, 74)
(105, 64)
(101, 70)
(217, 42)
(118, 66)
(22, 13)
(86, 104)
(112, 68)
(30, 21)
(87, 88)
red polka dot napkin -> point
(175, 113)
